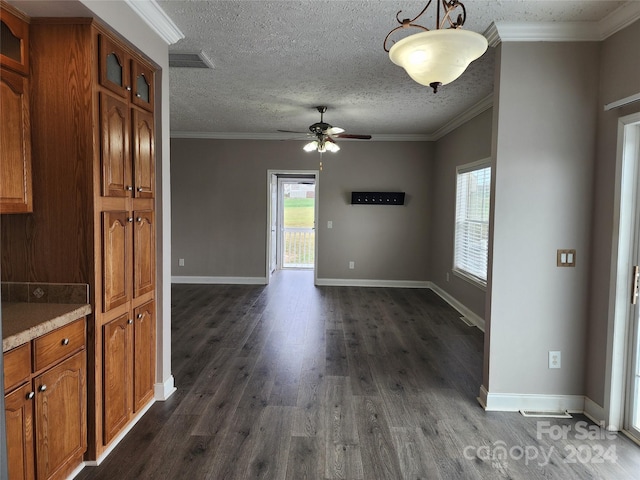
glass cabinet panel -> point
(9, 43)
(142, 89)
(114, 69)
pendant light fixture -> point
(439, 56)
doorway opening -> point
(292, 213)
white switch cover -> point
(330, 224)
(352, 265)
(181, 262)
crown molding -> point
(154, 16)
(620, 18)
(485, 104)
(383, 137)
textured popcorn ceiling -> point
(275, 60)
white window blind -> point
(472, 221)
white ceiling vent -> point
(190, 60)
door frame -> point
(269, 244)
(620, 309)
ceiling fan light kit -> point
(324, 135)
(436, 57)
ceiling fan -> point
(324, 135)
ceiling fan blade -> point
(333, 131)
(352, 135)
(293, 131)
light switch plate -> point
(566, 258)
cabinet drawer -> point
(58, 344)
(17, 366)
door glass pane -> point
(142, 88)
(299, 221)
(9, 43)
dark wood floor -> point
(292, 381)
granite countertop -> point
(22, 322)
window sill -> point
(476, 282)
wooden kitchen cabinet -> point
(144, 354)
(94, 220)
(46, 415)
(144, 165)
(126, 171)
(117, 375)
(60, 418)
(116, 259)
(129, 367)
(115, 153)
(15, 129)
(124, 75)
(18, 408)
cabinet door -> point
(117, 366)
(143, 88)
(114, 67)
(60, 417)
(15, 144)
(115, 154)
(19, 426)
(144, 340)
(143, 154)
(14, 47)
(116, 259)
(143, 252)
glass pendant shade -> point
(311, 146)
(437, 56)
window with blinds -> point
(472, 221)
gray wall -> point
(219, 211)
(466, 144)
(619, 78)
(543, 161)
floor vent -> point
(467, 322)
(532, 413)
(190, 60)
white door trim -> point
(625, 205)
(291, 173)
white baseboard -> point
(362, 282)
(596, 413)
(162, 391)
(474, 318)
(220, 280)
(514, 402)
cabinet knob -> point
(30, 395)
(139, 315)
(128, 87)
(42, 388)
(129, 188)
(139, 219)
(138, 95)
(65, 341)
(129, 321)
(139, 189)
(130, 219)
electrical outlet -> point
(554, 359)
(181, 262)
(352, 265)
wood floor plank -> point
(379, 457)
(306, 459)
(293, 381)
